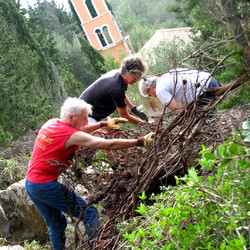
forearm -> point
(128, 103)
(108, 144)
(86, 140)
(94, 126)
(115, 144)
(123, 112)
(91, 127)
(132, 119)
(175, 107)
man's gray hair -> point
(73, 106)
(144, 83)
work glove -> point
(146, 140)
(112, 123)
(140, 114)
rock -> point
(25, 221)
(4, 224)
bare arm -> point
(176, 108)
(91, 127)
(89, 141)
(123, 112)
(128, 103)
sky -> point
(59, 3)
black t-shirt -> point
(106, 94)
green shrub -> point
(11, 171)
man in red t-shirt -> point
(55, 142)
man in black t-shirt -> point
(107, 93)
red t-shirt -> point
(49, 158)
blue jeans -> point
(51, 200)
(201, 104)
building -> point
(165, 36)
(100, 27)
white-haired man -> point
(56, 141)
(179, 87)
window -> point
(91, 8)
(101, 37)
(107, 35)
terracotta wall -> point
(91, 24)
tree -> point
(145, 18)
(96, 58)
(78, 63)
(30, 81)
(218, 20)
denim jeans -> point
(52, 200)
(205, 100)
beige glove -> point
(146, 140)
(112, 123)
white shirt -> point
(171, 85)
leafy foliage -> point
(199, 213)
(36, 72)
(167, 55)
(212, 20)
(96, 58)
(57, 21)
(77, 70)
(145, 18)
(18, 74)
(11, 172)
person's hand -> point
(146, 140)
(112, 124)
(142, 123)
(140, 114)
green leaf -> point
(225, 162)
(169, 246)
(143, 232)
(247, 139)
(246, 183)
(209, 156)
(143, 196)
(210, 178)
(234, 149)
(238, 243)
(193, 174)
(142, 209)
(222, 150)
(246, 125)
(223, 246)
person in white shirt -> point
(179, 87)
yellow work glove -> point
(112, 123)
(146, 140)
